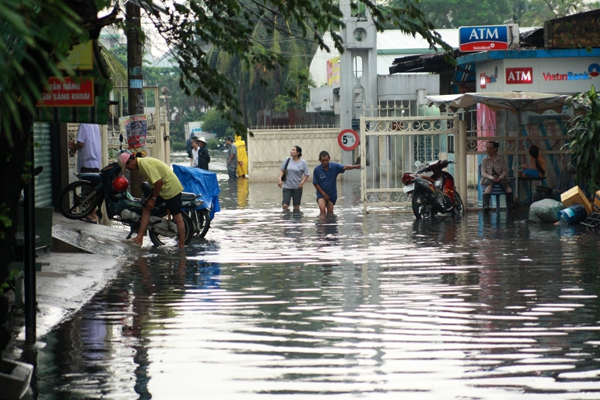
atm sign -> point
(519, 76)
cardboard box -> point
(575, 196)
(596, 207)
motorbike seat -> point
(186, 196)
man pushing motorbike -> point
(165, 188)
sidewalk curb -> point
(84, 258)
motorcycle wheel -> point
(201, 220)
(459, 208)
(78, 199)
(420, 206)
(161, 240)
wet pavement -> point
(375, 306)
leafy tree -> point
(34, 37)
(215, 122)
(446, 14)
(297, 92)
(536, 12)
(37, 34)
(584, 138)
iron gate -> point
(391, 145)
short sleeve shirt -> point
(234, 160)
(327, 179)
(296, 171)
(89, 155)
(153, 170)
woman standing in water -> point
(297, 174)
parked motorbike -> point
(433, 194)
(78, 199)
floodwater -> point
(373, 306)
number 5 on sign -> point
(348, 139)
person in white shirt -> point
(194, 157)
(89, 150)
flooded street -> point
(372, 306)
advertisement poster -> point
(136, 129)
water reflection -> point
(327, 228)
(354, 305)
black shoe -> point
(510, 202)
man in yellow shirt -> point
(165, 188)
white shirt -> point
(195, 157)
(89, 155)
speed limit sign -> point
(348, 139)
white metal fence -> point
(390, 145)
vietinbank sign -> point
(482, 38)
(592, 72)
(560, 75)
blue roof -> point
(515, 54)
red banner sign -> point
(68, 93)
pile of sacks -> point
(573, 208)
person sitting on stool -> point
(494, 170)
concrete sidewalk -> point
(83, 259)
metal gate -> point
(42, 154)
(391, 145)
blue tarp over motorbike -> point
(200, 181)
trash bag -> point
(546, 210)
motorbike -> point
(433, 194)
(80, 198)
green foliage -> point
(584, 138)
(12, 275)
(297, 91)
(446, 14)
(177, 145)
(48, 27)
(5, 221)
(216, 123)
(213, 143)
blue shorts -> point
(532, 173)
(331, 199)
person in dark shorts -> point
(165, 188)
(297, 174)
(325, 181)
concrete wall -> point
(268, 148)
(405, 86)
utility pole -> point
(135, 85)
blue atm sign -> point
(482, 38)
